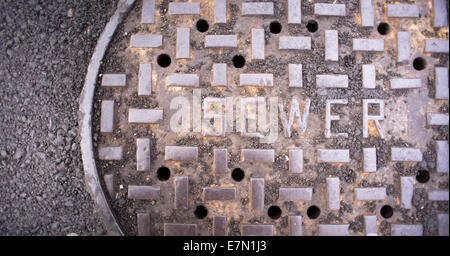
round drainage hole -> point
(163, 173)
(419, 63)
(200, 212)
(274, 212)
(275, 27)
(238, 61)
(312, 26)
(313, 212)
(163, 60)
(383, 28)
(237, 174)
(386, 211)
(422, 176)
(202, 25)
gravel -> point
(45, 47)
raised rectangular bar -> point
(220, 194)
(405, 83)
(181, 153)
(258, 44)
(181, 8)
(333, 155)
(437, 119)
(220, 160)
(436, 45)
(220, 74)
(143, 224)
(295, 75)
(294, 11)
(333, 193)
(185, 80)
(440, 14)
(183, 43)
(175, 229)
(441, 83)
(438, 195)
(403, 11)
(145, 116)
(148, 12)
(295, 194)
(220, 11)
(257, 230)
(220, 225)
(110, 153)
(407, 187)
(403, 46)
(295, 225)
(257, 8)
(258, 155)
(370, 223)
(367, 13)
(294, 43)
(114, 80)
(257, 193)
(144, 192)
(406, 230)
(322, 9)
(406, 155)
(221, 41)
(331, 45)
(363, 194)
(109, 182)
(145, 79)
(370, 159)
(369, 76)
(181, 192)
(146, 41)
(443, 224)
(331, 81)
(442, 158)
(264, 80)
(296, 160)
(143, 154)
(333, 230)
(107, 116)
(362, 44)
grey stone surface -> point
(295, 194)
(258, 44)
(333, 193)
(181, 153)
(333, 155)
(220, 11)
(176, 229)
(329, 117)
(187, 80)
(367, 13)
(145, 79)
(145, 116)
(220, 225)
(331, 81)
(114, 80)
(369, 76)
(110, 153)
(294, 11)
(148, 12)
(438, 195)
(264, 80)
(180, 8)
(441, 82)
(294, 43)
(221, 41)
(403, 46)
(406, 154)
(220, 160)
(295, 75)
(407, 187)
(370, 159)
(257, 8)
(146, 41)
(220, 193)
(220, 74)
(322, 9)
(295, 225)
(440, 15)
(107, 116)
(181, 192)
(296, 160)
(442, 156)
(370, 223)
(257, 193)
(183, 43)
(405, 83)
(109, 182)
(331, 45)
(258, 155)
(143, 192)
(257, 230)
(403, 11)
(436, 45)
(406, 230)
(143, 224)
(333, 229)
(443, 224)
(362, 44)
(363, 194)
(437, 119)
(143, 154)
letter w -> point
(302, 122)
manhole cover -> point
(290, 117)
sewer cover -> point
(294, 117)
